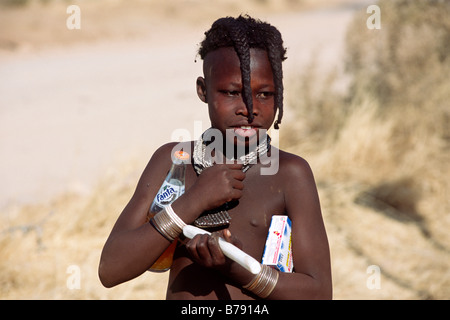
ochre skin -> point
(200, 270)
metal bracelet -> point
(264, 282)
(168, 223)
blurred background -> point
(82, 110)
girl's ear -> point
(201, 89)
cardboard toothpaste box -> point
(278, 249)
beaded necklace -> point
(220, 217)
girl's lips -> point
(245, 131)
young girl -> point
(242, 86)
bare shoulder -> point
(294, 166)
(162, 157)
(300, 190)
(157, 167)
(165, 151)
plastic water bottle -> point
(171, 189)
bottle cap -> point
(181, 155)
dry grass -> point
(380, 152)
(40, 242)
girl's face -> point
(222, 86)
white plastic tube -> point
(228, 249)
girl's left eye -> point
(265, 95)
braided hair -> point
(243, 33)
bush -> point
(406, 64)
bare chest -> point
(262, 198)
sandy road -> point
(67, 115)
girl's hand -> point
(205, 250)
(217, 185)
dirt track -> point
(68, 114)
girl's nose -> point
(243, 110)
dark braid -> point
(241, 45)
(276, 58)
(243, 33)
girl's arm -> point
(133, 244)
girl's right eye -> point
(230, 93)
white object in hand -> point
(228, 249)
